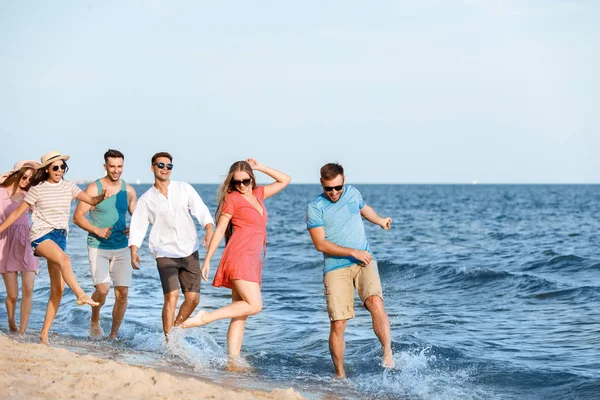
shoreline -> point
(37, 371)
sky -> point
(446, 91)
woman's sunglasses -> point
(57, 167)
(162, 165)
(331, 188)
(245, 182)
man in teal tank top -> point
(107, 240)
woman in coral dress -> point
(16, 255)
(242, 220)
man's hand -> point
(207, 238)
(103, 233)
(135, 260)
(386, 223)
(363, 256)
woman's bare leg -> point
(57, 285)
(250, 304)
(12, 293)
(27, 280)
(54, 254)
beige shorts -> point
(340, 284)
(107, 264)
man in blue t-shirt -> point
(334, 221)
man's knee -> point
(192, 299)
(338, 326)
(102, 290)
(374, 304)
(121, 293)
(172, 297)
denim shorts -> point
(58, 236)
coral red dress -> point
(244, 254)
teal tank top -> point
(111, 212)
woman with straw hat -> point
(16, 255)
(50, 196)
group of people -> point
(334, 221)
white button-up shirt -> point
(173, 232)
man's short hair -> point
(331, 170)
(162, 154)
(112, 153)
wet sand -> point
(36, 371)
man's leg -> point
(337, 347)
(121, 293)
(120, 270)
(168, 313)
(12, 294)
(190, 302)
(99, 268)
(168, 270)
(368, 285)
(381, 327)
(339, 293)
(189, 280)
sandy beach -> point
(35, 371)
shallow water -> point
(492, 291)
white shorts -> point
(106, 264)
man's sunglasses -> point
(57, 167)
(162, 165)
(331, 188)
(245, 182)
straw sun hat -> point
(52, 156)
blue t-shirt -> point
(343, 225)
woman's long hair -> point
(42, 175)
(228, 187)
(12, 181)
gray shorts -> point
(175, 272)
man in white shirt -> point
(173, 241)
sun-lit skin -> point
(240, 176)
(334, 195)
(163, 174)
(55, 176)
(114, 168)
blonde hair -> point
(227, 187)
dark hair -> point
(112, 153)
(14, 178)
(228, 187)
(331, 170)
(42, 175)
(161, 154)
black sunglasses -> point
(331, 188)
(57, 167)
(162, 165)
(245, 182)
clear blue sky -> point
(402, 92)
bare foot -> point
(235, 364)
(340, 375)
(96, 331)
(388, 361)
(44, 339)
(12, 326)
(85, 299)
(196, 320)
